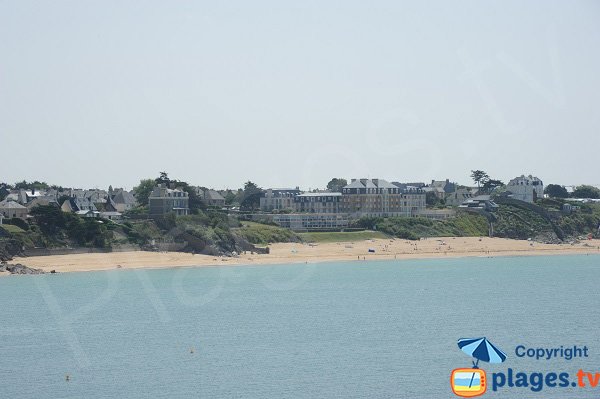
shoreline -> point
(294, 253)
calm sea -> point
(335, 330)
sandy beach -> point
(285, 253)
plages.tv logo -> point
(469, 382)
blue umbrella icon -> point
(481, 349)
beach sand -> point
(285, 253)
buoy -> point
(192, 349)
(67, 377)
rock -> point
(22, 269)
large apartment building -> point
(278, 199)
(324, 202)
(380, 198)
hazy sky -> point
(288, 93)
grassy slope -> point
(341, 237)
(12, 229)
(257, 233)
(414, 228)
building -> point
(77, 204)
(12, 209)
(88, 213)
(441, 188)
(480, 202)
(311, 221)
(526, 188)
(42, 201)
(460, 195)
(212, 198)
(325, 202)
(164, 200)
(277, 199)
(380, 198)
(123, 200)
(111, 215)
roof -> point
(110, 213)
(213, 195)
(11, 205)
(355, 184)
(328, 194)
(123, 197)
(370, 183)
(86, 212)
(523, 178)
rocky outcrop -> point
(19, 269)
(9, 248)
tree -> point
(251, 196)
(586, 191)
(431, 199)
(230, 197)
(163, 178)
(37, 185)
(4, 190)
(143, 191)
(479, 177)
(49, 218)
(490, 184)
(336, 184)
(556, 191)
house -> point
(164, 200)
(123, 200)
(111, 215)
(212, 198)
(525, 188)
(76, 204)
(380, 198)
(441, 188)
(87, 213)
(324, 202)
(460, 195)
(480, 202)
(44, 201)
(278, 199)
(12, 209)
(19, 196)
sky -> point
(291, 94)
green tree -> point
(50, 219)
(251, 196)
(4, 190)
(586, 191)
(37, 185)
(431, 199)
(490, 184)
(336, 184)
(163, 178)
(230, 197)
(556, 191)
(479, 177)
(143, 191)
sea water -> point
(360, 329)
